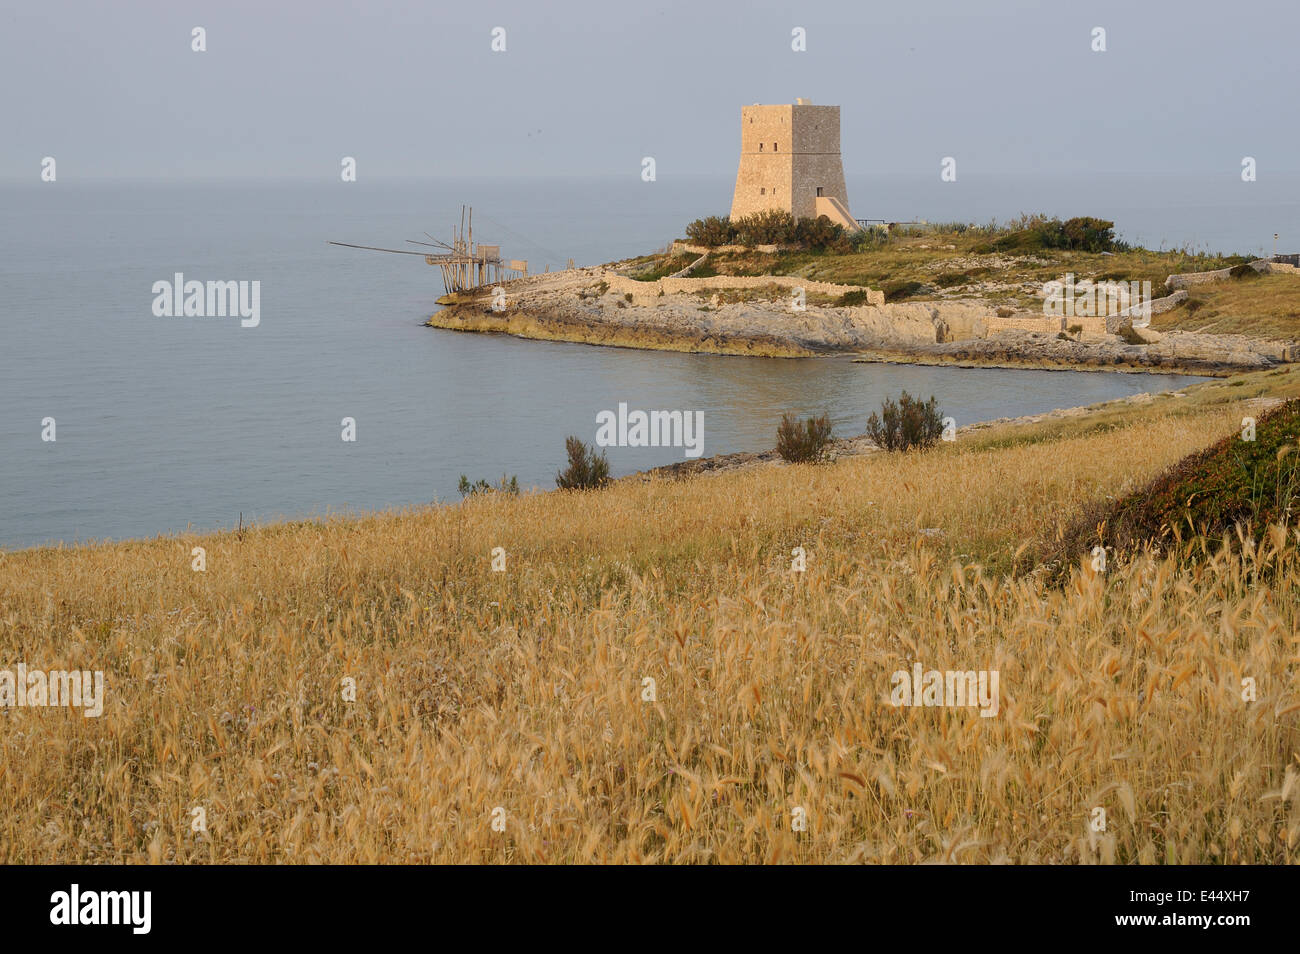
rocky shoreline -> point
(600, 306)
(1174, 353)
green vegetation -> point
(665, 265)
(950, 279)
(897, 291)
(586, 470)
(1001, 265)
(1007, 262)
(770, 227)
(1129, 336)
(712, 231)
(1237, 487)
(908, 423)
(481, 486)
(803, 442)
(1038, 232)
(1267, 306)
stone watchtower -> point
(790, 159)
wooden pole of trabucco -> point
(464, 265)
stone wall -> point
(788, 152)
(1047, 324)
(766, 173)
(648, 291)
(1115, 323)
(1188, 279)
(817, 162)
(681, 246)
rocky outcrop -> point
(598, 306)
(1174, 352)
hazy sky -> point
(113, 89)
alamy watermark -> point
(82, 689)
(1089, 299)
(626, 428)
(946, 687)
(75, 906)
(195, 299)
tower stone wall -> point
(787, 154)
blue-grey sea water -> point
(164, 424)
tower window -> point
(819, 191)
(760, 147)
(762, 192)
(774, 147)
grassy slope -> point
(946, 264)
(1265, 306)
(1236, 487)
(523, 689)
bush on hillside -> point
(712, 231)
(1236, 486)
(820, 233)
(871, 237)
(897, 291)
(769, 227)
(1082, 234)
(586, 469)
(777, 227)
(908, 423)
(805, 441)
(480, 486)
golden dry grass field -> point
(525, 690)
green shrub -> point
(802, 442)
(909, 423)
(769, 227)
(820, 234)
(481, 486)
(712, 231)
(896, 291)
(949, 279)
(856, 297)
(1231, 491)
(1243, 271)
(1083, 233)
(586, 468)
(667, 265)
(868, 238)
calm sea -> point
(164, 424)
